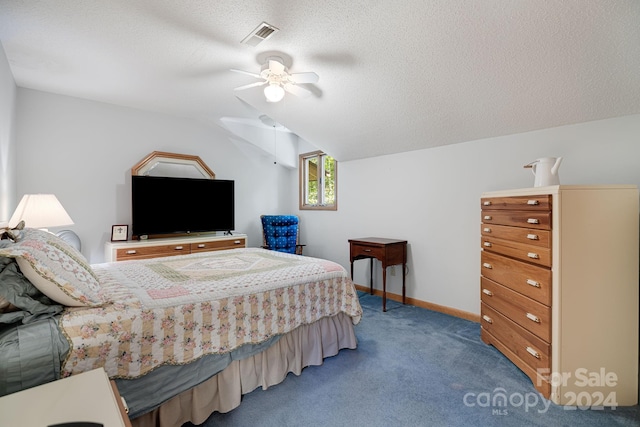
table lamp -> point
(40, 211)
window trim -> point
(303, 183)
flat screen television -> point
(169, 205)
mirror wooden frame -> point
(144, 166)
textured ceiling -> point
(395, 75)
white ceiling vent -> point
(260, 34)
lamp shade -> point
(274, 92)
(40, 211)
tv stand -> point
(154, 248)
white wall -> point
(83, 151)
(432, 199)
(7, 139)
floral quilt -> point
(176, 309)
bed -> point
(182, 336)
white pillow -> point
(56, 269)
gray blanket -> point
(30, 354)
(25, 302)
(31, 345)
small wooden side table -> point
(387, 251)
(86, 397)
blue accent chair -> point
(280, 233)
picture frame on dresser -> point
(119, 233)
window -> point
(318, 181)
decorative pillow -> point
(55, 268)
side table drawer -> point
(360, 250)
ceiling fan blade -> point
(276, 67)
(309, 77)
(250, 85)
(297, 90)
(247, 73)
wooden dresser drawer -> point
(179, 245)
(144, 252)
(529, 314)
(530, 236)
(522, 251)
(217, 245)
(528, 279)
(534, 219)
(528, 347)
(539, 379)
(539, 202)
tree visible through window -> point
(318, 181)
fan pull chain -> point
(275, 144)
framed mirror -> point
(160, 163)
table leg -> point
(371, 274)
(404, 268)
(384, 288)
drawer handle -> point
(487, 217)
(487, 292)
(487, 244)
(237, 242)
(367, 250)
(533, 202)
(533, 317)
(487, 265)
(532, 236)
(178, 248)
(132, 252)
(487, 318)
(533, 283)
(487, 230)
(487, 203)
(533, 255)
(533, 353)
(533, 221)
(202, 245)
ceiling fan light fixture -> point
(274, 92)
(276, 80)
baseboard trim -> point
(424, 304)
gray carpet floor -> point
(412, 367)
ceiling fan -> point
(278, 80)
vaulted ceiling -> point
(394, 75)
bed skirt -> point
(305, 346)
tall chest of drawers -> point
(559, 289)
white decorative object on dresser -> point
(153, 248)
(559, 289)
